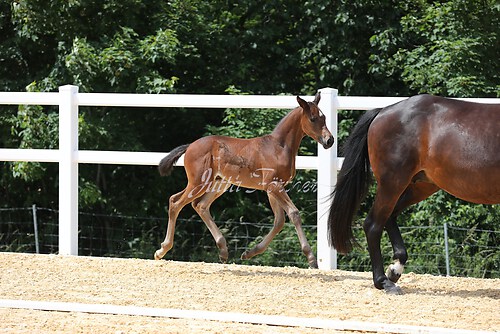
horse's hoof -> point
(157, 256)
(313, 264)
(394, 271)
(245, 256)
(223, 257)
(392, 289)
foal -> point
(264, 163)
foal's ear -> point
(303, 104)
(317, 98)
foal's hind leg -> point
(202, 207)
(173, 211)
(176, 203)
(280, 195)
(279, 221)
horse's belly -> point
(466, 164)
(262, 178)
(478, 186)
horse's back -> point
(217, 147)
(243, 161)
(225, 147)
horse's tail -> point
(167, 164)
(352, 185)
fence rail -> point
(68, 99)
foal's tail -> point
(167, 163)
(352, 185)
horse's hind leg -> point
(280, 195)
(173, 211)
(374, 225)
(413, 194)
(202, 207)
(279, 221)
(176, 203)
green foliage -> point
(446, 48)
(89, 194)
(124, 61)
(338, 49)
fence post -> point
(35, 228)
(446, 249)
(68, 170)
(327, 178)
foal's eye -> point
(313, 119)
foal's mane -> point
(285, 118)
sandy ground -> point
(463, 303)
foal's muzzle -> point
(327, 142)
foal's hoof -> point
(223, 256)
(158, 256)
(392, 289)
(313, 264)
(245, 255)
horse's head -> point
(313, 122)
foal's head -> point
(313, 122)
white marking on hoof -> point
(397, 267)
(394, 271)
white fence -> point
(69, 156)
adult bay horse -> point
(214, 163)
(414, 147)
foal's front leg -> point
(279, 222)
(280, 195)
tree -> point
(337, 50)
(447, 48)
(63, 42)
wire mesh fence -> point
(439, 250)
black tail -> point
(167, 163)
(352, 185)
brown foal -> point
(214, 163)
